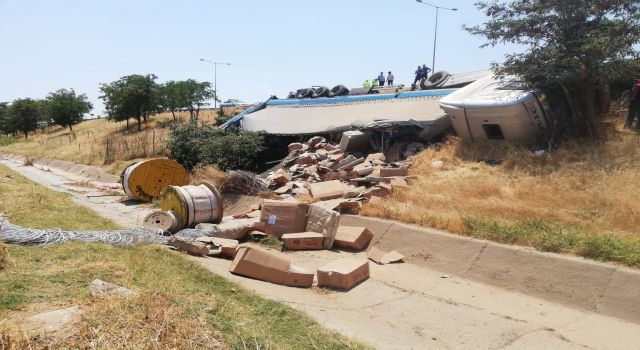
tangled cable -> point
(14, 234)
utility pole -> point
(215, 79)
(435, 32)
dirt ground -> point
(405, 306)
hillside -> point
(103, 143)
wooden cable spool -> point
(167, 221)
(146, 179)
(192, 205)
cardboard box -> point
(265, 266)
(352, 237)
(343, 273)
(191, 247)
(303, 240)
(327, 190)
(278, 218)
(324, 221)
(382, 257)
(388, 172)
(229, 246)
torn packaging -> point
(228, 247)
(323, 221)
(191, 247)
(278, 218)
(352, 237)
(262, 265)
(382, 257)
(303, 240)
(343, 273)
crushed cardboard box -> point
(382, 257)
(228, 247)
(265, 266)
(303, 241)
(327, 190)
(324, 221)
(191, 247)
(343, 273)
(352, 237)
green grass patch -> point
(546, 237)
(6, 140)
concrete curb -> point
(601, 288)
(87, 171)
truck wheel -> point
(320, 92)
(304, 93)
(436, 79)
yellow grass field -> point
(88, 142)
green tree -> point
(4, 120)
(190, 94)
(132, 96)
(577, 45)
(66, 108)
(25, 115)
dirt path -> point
(404, 306)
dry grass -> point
(88, 142)
(5, 261)
(583, 188)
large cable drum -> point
(192, 205)
(146, 179)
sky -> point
(273, 46)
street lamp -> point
(435, 34)
(215, 79)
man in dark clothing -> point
(390, 78)
(381, 79)
(426, 70)
(634, 106)
(419, 75)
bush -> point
(222, 118)
(191, 144)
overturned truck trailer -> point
(417, 109)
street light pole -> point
(435, 32)
(215, 79)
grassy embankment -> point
(582, 198)
(180, 304)
(88, 142)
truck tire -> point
(304, 93)
(339, 90)
(322, 91)
(434, 80)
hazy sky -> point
(274, 46)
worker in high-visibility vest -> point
(374, 83)
(366, 84)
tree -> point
(4, 120)
(190, 94)
(66, 108)
(132, 96)
(25, 115)
(576, 45)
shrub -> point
(191, 144)
(222, 118)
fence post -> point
(106, 153)
(153, 151)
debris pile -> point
(341, 176)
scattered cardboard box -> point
(303, 241)
(278, 218)
(343, 273)
(353, 141)
(327, 190)
(382, 257)
(352, 237)
(324, 221)
(281, 177)
(265, 266)
(388, 172)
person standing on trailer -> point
(390, 79)
(426, 70)
(381, 79)
(634, 106)
(366, 84)
(419, 75)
